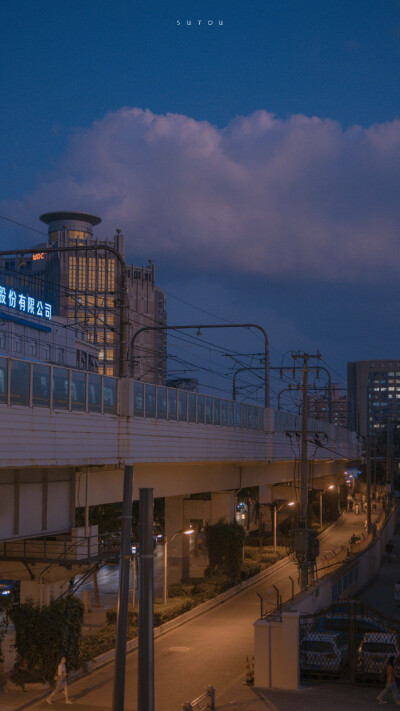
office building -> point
(85, 288)
(331, 407)
(375, 387)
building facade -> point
(335, 409)
(375, 386)
(85, 288)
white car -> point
(374, 652)
(323, 653)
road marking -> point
(179, 649)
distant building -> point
(375, 385)
(84, 288)
(335, 409)
(30, 331)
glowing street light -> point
(187, 532)
(321, 493)
(276, 509)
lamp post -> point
(276, 509)
(186, 532)
(321, 493)
(212, 325)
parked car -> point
(9, 591)
(341, 623)
(323, 653)
(374, 652)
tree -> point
(43, 635)
(224, 543)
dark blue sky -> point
(66, 65)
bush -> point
(175, 607)
(98, 642)
(224, 543)
(111, 616)
(43, 636)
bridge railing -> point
(34, 384)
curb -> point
(103, 659)
(132, 644)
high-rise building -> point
(335, 409)
(375, 386)
(85, 288)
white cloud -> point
(296, 197)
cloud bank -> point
(294, 198)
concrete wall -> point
(368, 563)
(35, 501)
(276, 656)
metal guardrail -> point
(208, 696)
(62, 548)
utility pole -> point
(389, 467)
(368, 484)
(305, 543)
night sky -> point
(257, 163)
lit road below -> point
(210, 649)
(108, 580)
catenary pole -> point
(122, 609)
(212, 325)
(146, 599)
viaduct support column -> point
(222, 506)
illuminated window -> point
(101, 282)
(101, 355)
(111, 274)
(109, 371)
(110, 336)
(81, 273)
(110, 302)
(109, 353)
(92, 273)
(110, 319)
(72, 272)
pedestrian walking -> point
(61, 679)
(390, 684)
(397, 593)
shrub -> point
(174, 607)
(43, 636)
(224, 543)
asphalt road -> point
(210, 649)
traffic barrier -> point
(209, 696)
(249, 674)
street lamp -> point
(276, 509)
(321, 493)
(186, 532)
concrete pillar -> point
(276, 652)
(223, 506)
(178, 549)
(265, 522)
(42, 593)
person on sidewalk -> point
(61, 679)
(390, 684)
